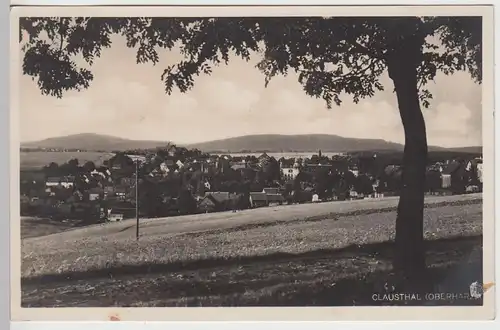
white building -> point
(445, 181)
(65, 182)
(480, 172)
(354, 171)
(113, 217)
(290, 173)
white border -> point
(41, 2)
(242, 2)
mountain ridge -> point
(245, 143)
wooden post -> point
(137, 198)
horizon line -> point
(231, 137)
(187, 143)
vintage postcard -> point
(297, 163)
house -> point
(108, 190)
(95, 194)
(472, 189)
(377, 190)
(273, 196)
(126, 208)
(168, 163)
(65, 181)
(445, 180)
(238, 165)
(271, 191)
(78, 194)
(227, 201)
(452, 176)
(50, 191)
(136, 158)
(315, 198)
(68, 181)
(98, 174)
(113, 217)
(207, 204)
(286, 162)
(480, 172)
(156, 172)
(120, 193)
(164, 167)
(476, 165)
(222, 199)
(289, 173)
(353, 194)
(312, 168)
(264, 160)
(354, 170)
(116, 166)
(275, 199)
(122, 161)
(223, 164)
(85, 178)
(208, 166)
(258, 199)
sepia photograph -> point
(229, 157)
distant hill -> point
(295, 143)
(92, 142)
(248, 143)
(470, 150)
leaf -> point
(332, 56)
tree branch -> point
(61, 34)
(366, 51)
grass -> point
(329, 277)
(190, 261)
(36, 227)
(38, 159)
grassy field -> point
(36, 227)
(302, 255)
(38, 159)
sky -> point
(128, 100)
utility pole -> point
(137, 198)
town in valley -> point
(180, 181)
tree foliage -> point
(332, 56)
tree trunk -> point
(409, 258)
